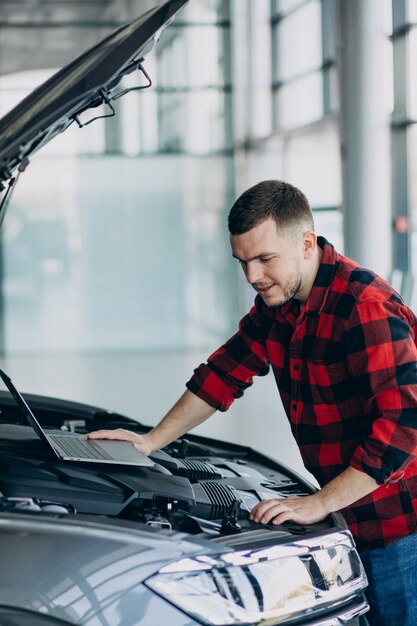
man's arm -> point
(187, 413)
(348, 487)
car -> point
(170, 541)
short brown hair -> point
(286, 204)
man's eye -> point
(265, 259)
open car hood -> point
(89, 81)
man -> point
(341, 345)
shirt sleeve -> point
(231, 368)
(382, 358)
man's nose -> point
(254, 273)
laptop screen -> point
(24, 407)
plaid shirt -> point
(345, 367)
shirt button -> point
(296, 367)
(294, 407)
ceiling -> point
(40, 34)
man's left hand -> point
(342, 491)
(301, 510)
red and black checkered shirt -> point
(345, 367)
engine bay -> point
(200, 486)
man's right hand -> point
(142, 443)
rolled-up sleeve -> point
(382, 359)
(231, 368)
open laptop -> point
(73, 447)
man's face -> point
(273, 263)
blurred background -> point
(116, 273)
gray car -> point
(99, 544)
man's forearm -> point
(187, 413)
(348, 487)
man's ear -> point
(310, 243)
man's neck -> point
(311, 276)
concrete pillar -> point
(365, 124)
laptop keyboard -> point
(79, 447)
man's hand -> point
(348, 487)
(143, 443)
(301, 510)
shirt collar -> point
(324, 278)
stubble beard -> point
(289, 292)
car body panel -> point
(82, 571)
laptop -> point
(73, 447)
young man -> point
(341, 345)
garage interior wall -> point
(117, 277)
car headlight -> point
(282, 582)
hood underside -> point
(89, 81)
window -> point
(303, 59)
